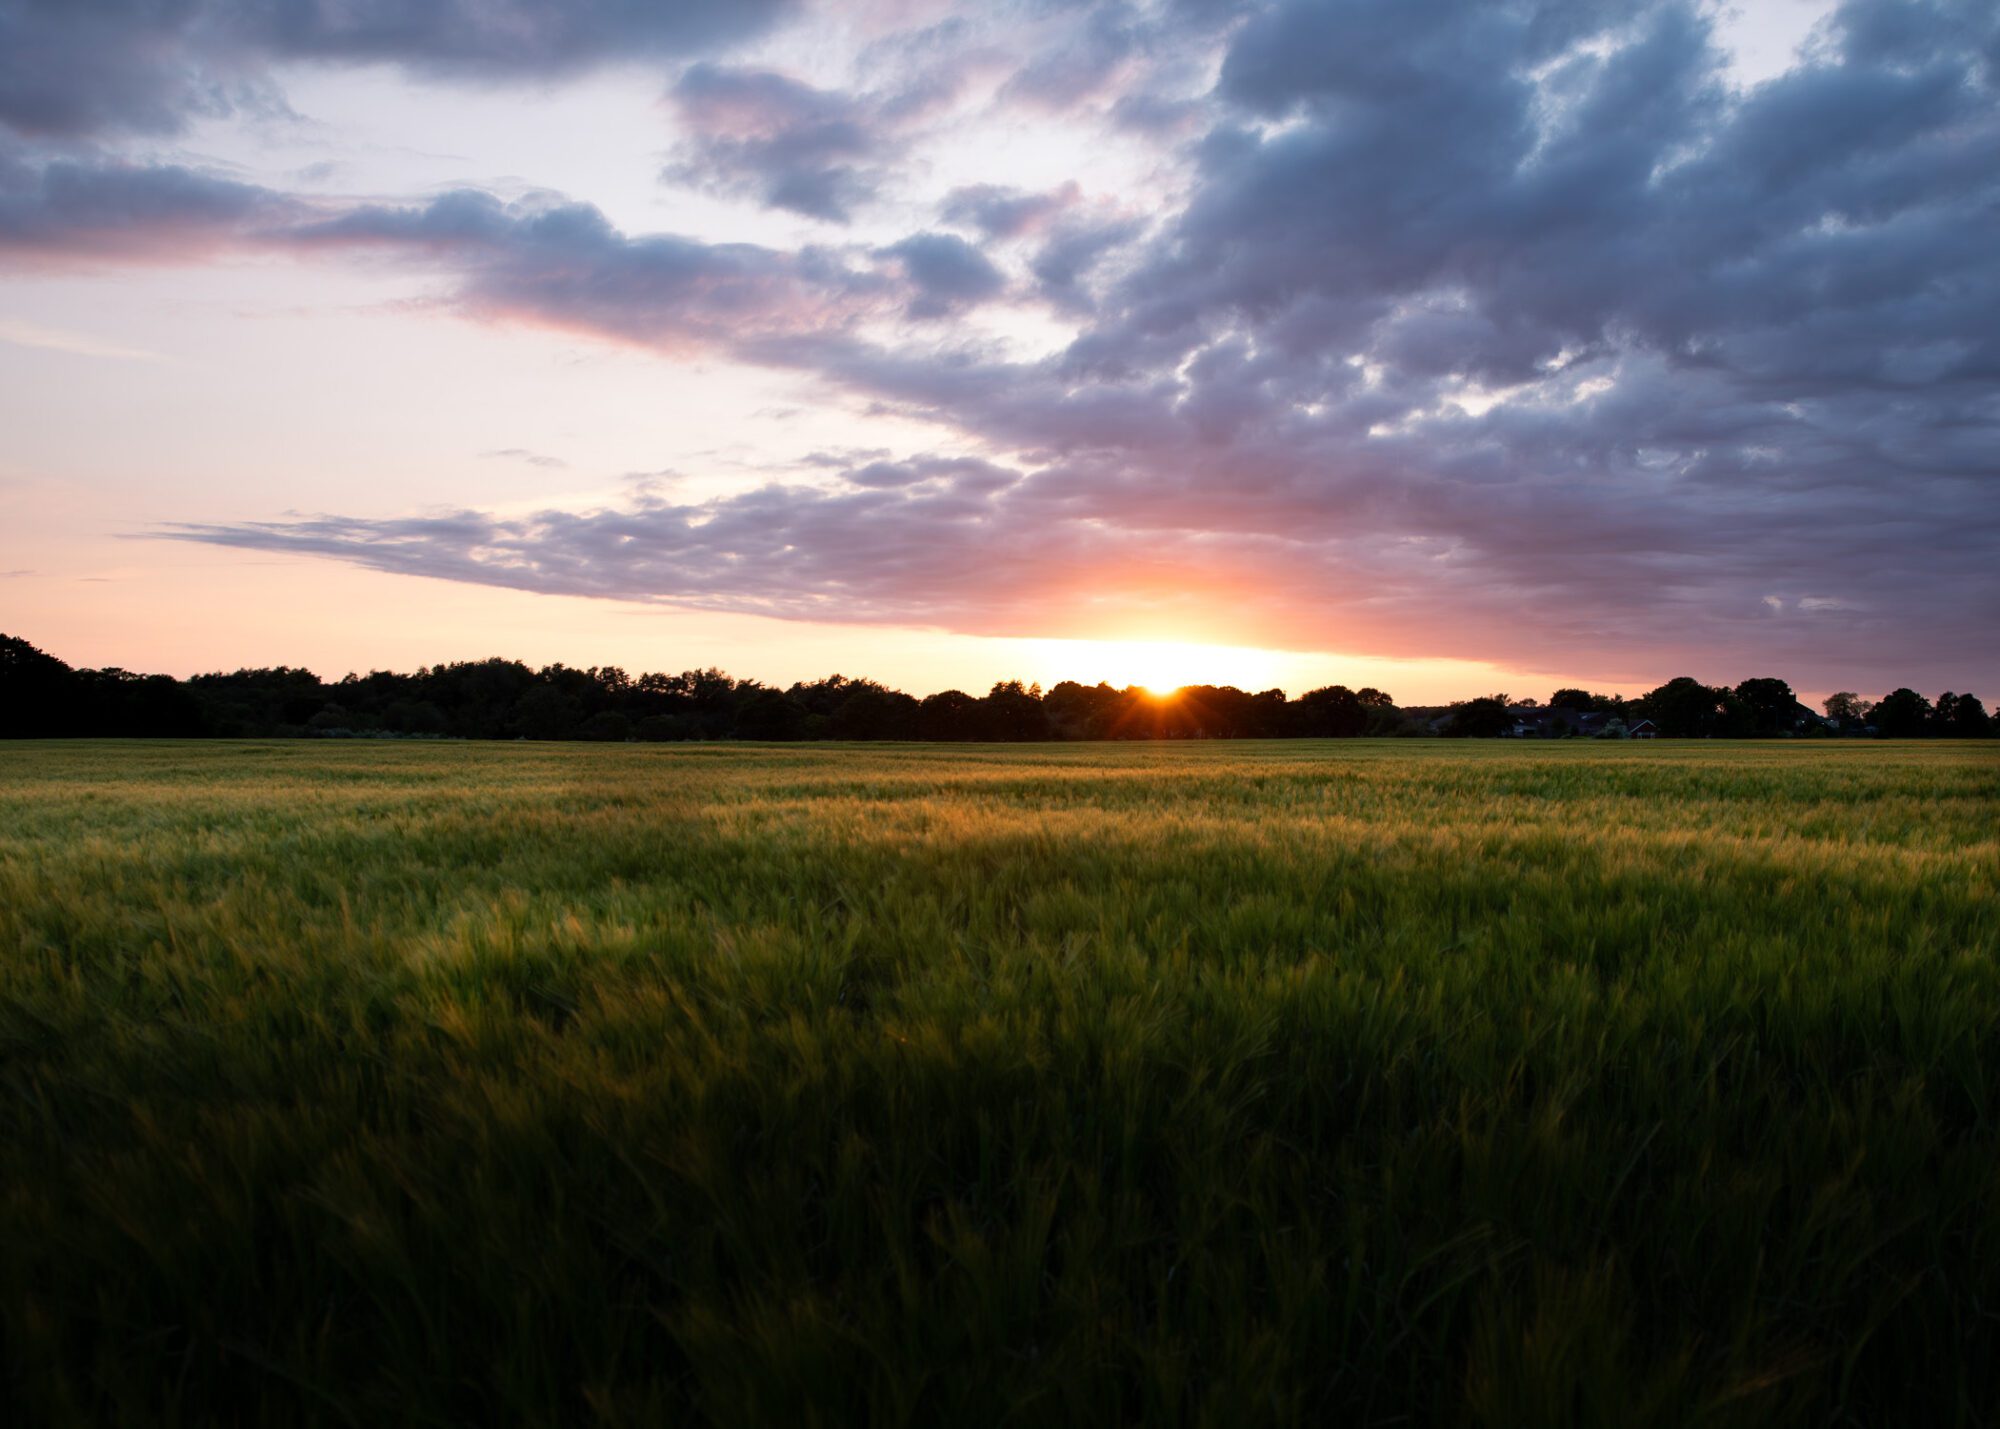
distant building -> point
(1805, 719)
(1550, 722)
(1644, 729)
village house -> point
(1551, 722)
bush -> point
(607, 726)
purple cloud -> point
(564, 265)
(75, 211)
(999, 211)
(1507, 330)
(947, 272)
(791, 146)
(77, 68)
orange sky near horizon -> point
(182, 610)
(395, 335)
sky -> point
(1446, 346)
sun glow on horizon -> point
(1162, 666)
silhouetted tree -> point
(1682, 708)
(661, 728)
(250, 702)
(950, 715)
(1015, 713)
(478, 696)
(1083, 711)
(872, 712)
(1484, 718)
(547, 712)
(1960, 717)
(614, 682)
(710, 699)
(495, 698)
(822, 697)
(607, 726)
(767, 715)
(415, 717)
(1770, 706)
(1230, 713)
(1902, 714)
(1271, 713)
(39, 694)
(1846, 709)
(1970, 719)
(121, 703)
(1334, 712)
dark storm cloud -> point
(71, 68)
(1500, 329)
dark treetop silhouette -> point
(41, 697)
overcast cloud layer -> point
(1504, 330)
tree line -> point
(42, 697)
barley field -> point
(1275, 1083)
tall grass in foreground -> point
(1222, 1084)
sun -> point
(1160, 668)
(1163, 666)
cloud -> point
(879, 549)
(789, 145)
(540, 259)
(1075, 239)
(81, 68)
(564, 265)
(1507, 330)
(999, 211)
(1074, 250)
(1088, 64)
(962, 475)
(70, 211)
(530, 458)
(948, 273)
(1082, 547)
